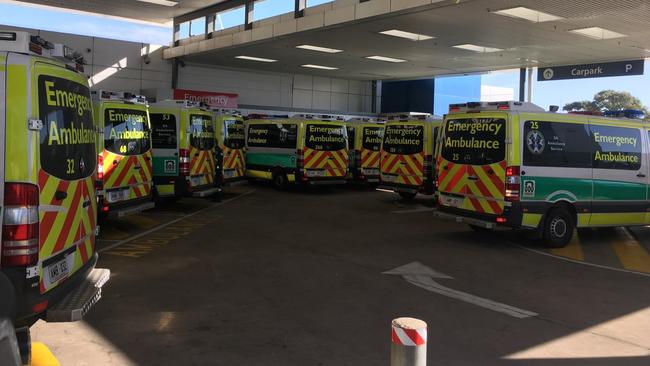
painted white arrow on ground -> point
(422, 276)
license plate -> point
(370, 171)
(229, 173)
(115, 196)
(453, 201)
(316, 173)
(388, 178)
(197, 181)
(57, 271)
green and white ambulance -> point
(512, 164)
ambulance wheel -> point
(558, 228)
(407, 196)
(279, 180)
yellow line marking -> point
(630, 253)
(142, 221)
(110, 232)
(573, 250)
(42, 356)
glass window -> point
(201, 132)
(277, 135)
(372, 137)
(325, 137)
(403, 139)
(557, 144)
(233, 136)
(616, 147)
(126, 131)
(184, 31)
(317, 2)
(269, 8)
(474, 141)
(163, 131)
(229, 18)
(197, 26)
(68, 135)
(351, 135)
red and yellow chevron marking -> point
(483, 194)
(68, 222)
(334, 163)
(133, 171)
(370, 158)
(233, 159)
(409, 169)
(202, 163)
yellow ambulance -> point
(407, 151)
(514, 165)
(183, 146)
(364, 144)
(229, 131)
(47, 191)
(124, 163)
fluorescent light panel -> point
(598, 33)
(318, 48)
(477, 48)
(408, 35)
(386, 59)
(531, 15)
(161, 2)
(259, 59)
(321, 67)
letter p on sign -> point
(628, 67)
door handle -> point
(115, 162)
(147, 158)
(60, 195)
(86, 204)
(641, 175)
(197, 155)
(137, 167)
(472, 177)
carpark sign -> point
(587, 71)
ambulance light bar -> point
(118, 96)
(228, 112)
(318, 117)
(23, 42)
(266, 116)
(625, 113)
(477, 107)
(587, 113)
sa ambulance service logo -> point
(548, 74)
(529, 188)
(535, 142)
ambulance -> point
(513, 165)
(47, 195)
(124, 163)
(304, 149)
(407, 150)
(364, 144)
(183, 146)
(229, 131)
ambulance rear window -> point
(372, 137)
(68, 136)
(474, 141)
(233, 133)
(201, 132)
(126, 131)
(325, 137)
(403, 139)
(163, 131)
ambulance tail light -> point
(184, 162)
(513, 180)
(300, 159)
(100, 172)
(20, 225)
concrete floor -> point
(295, 278)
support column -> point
(248, 15)
(522, 84)
(299, 10)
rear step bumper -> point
(398, 189)
(206, 192)
(465, 220)
(126, 211)
(326, 182)
(76, 304)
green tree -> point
(608, 100)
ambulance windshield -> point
(126, 131)
(474, 141)
(201, 132)
(233, 134)
(326, 137)
(403, 139)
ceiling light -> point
(161, 2)
(598, 33)
(321, 67)
(476, 48)
(532, 15)
(251, 58)
(318, 49)
(407, 35)
(386, 59)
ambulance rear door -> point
(164, 142)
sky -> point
(545, 93)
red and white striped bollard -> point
(408, 342)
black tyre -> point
(558, 228)
(407, 196)
(279, 180)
